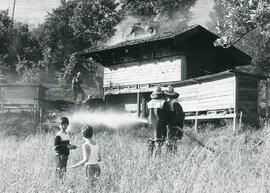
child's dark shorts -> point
(61, 162)
(92, 170)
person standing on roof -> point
(156, 120)
(175, 117)
(77, 88)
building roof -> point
(149, 87)
(22, 85)
(156, 37)
(227, 73)
(179, 36)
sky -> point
(201, 11)
(34, 12)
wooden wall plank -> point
(24, 101)
(248, 96)
(19, 96)
(161, 70)
(20, 92)
(216, 94)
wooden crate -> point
(22, 97)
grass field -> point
(27, 164)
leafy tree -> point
(160, 12)
(18, 47)
(72, 27)
(242, 18)
(56, 36)
(87, 67)
(246, 25)
(95, 21)
(5, 22)
(257, 46)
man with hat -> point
(156, 120)
(174, 119)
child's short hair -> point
(64, 120)
(87, 131)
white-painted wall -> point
(215, 94)
(146, 72)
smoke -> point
(123, 30)
(113, 120)
(198, 15)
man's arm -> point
(180, 115)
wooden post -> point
(106, 98)
(267, 102)
(240, 119)
(3, 100)
(37, 98)
(138, 104)
(236, 104)
(196, 122)
(34, 114)
(143, 102)
(197, 104)
(234, 123)
(259, 98)
(40, 118)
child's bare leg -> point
(169, 146)
(175, 146)
(158, 145)
(151, 147)
(92, 174)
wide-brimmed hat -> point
(157, 93)
(170, 92)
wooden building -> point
(22, 97)
(186, 59)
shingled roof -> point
(180, 35)
(159, 36)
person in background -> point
(175, 117)
(62, 147)
(77, 87)
(156, 121)
(91, 154)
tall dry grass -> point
(27, 165)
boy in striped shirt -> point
(62, 147)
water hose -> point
(193, 138)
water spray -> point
(112, 120)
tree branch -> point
(244, 34)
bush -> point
(18, 124)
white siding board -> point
(216, 94)
(162, 70)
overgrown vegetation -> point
(19, 124)
(27, 165)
